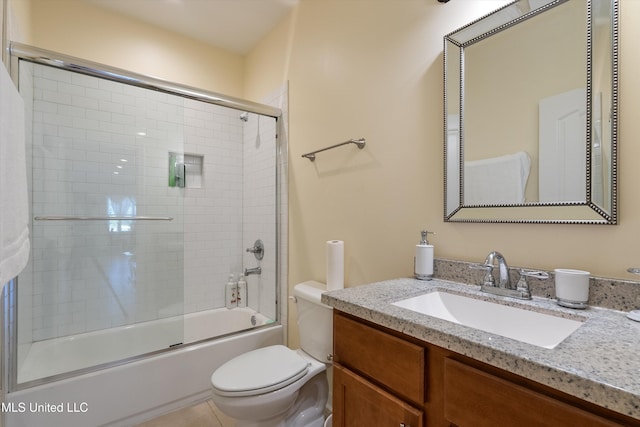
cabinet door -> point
(392, 362)
(358, 403)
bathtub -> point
(133, 392)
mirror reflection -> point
(530, 125)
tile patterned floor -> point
(204, 414)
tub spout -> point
(249, 271)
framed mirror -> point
(531, 111)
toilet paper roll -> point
(335, 265)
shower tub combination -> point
(144, 196)
(135, 391)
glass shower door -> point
(105, 279)
(145, 197)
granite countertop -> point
(599, 362)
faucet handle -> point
(523, 287)
(257, 250)
(535, 274)
(488, 279)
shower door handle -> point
(101, 218)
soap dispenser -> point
(423, 261)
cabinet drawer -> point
(473, 398)
(391, 361)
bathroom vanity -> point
(394, 366)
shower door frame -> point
(19, 51)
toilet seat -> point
(259, 371)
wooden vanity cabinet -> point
(385, 378)
(378, 379)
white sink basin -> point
(543, 330)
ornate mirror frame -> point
(587, 211)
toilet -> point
(278, 387)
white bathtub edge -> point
(135, 392)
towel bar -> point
(359, 142)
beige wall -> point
(373, 68)
(370, 68)
(18, 20)
(76, 28)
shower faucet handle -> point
(257, 250)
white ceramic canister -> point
(572, 287)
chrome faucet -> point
(504, 281)
(255, 270)
(505, 287)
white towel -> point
(14, 209)
(497, 180)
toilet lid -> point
(259, 371)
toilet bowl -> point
(290, 397)
(278, 387)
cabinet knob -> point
(404, 425)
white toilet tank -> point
(315, 321)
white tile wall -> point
(91, 159)
(259, 213)
(100, 148)
(213, 213)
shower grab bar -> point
(359, 142)
(100, 218)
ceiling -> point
(234, 25)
